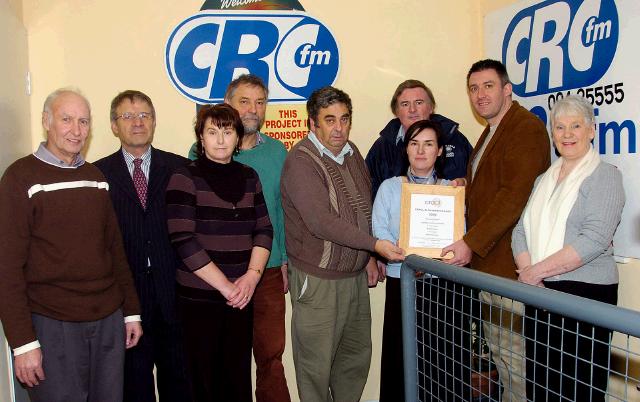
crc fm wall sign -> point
(555, 48)
(291, 51)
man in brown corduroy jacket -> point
(511, 152)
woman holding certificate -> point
(423, 148)
(563, 241)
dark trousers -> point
(82, 361)
(217, 342)
(269, 338)
(162, 346)
(444, 344)
(391, 362)
(553, 343)
(444, 341)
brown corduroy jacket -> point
(518, 152)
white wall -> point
(14, 103)
(14, 124)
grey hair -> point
(245, 79)
(53, 96)
(573, 105)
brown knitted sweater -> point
(327, 209)
(61, 252)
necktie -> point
(140, 182)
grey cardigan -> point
(591, 225)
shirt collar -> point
(400, 136)
(339, 159)
(431, 178)
(128, 158)
(47, 156)
(259, 141)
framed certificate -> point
(431, 218)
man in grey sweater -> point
(326, 199)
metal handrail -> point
(590, 311)
(594, 312)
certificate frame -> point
(409, 189)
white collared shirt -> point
(339, 159)
(145, 165)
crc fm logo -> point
(293, 53)
(560, 44)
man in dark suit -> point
(138, 175)
(511, 152)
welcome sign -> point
(582, 47)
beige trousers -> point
(503, 324)
(330, 336)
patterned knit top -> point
(327, 209)
(216, 212)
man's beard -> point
(251, 124)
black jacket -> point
(144, 231)
(387, 159)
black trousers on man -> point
(161, 345)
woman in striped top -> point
(218, 223)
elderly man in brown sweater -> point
(326, 199)
(70, 307)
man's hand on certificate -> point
(459, 182)
(461, 253)
(389, 250)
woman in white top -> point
(564, 241)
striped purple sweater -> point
(209, 226)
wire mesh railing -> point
(470, 336)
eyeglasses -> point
(131, 116)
